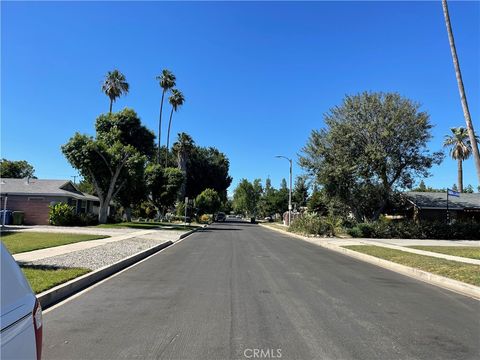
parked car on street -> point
(220, 217)
(20, 313)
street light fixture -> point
(290, 191)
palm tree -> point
(176, 100)
(183, 147)
(461, 89)
(114, 86)
(167, 82)
(460, 150)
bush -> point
(355, 232)
(61, 214)
(313, 224)
(412, 230)
(205, 219)
(87, 219)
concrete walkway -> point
(400, 244)
(156, 234)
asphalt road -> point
(239, 291)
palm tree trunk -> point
(460, 176)
(111, 103)
(168, 138)
(461, 89)
(160, 126)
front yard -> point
(17, 242)
(468, 273)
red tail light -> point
(38, 326)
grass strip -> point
(472, 252)
(148, 225)
(42, 278)
(467, 273)
(17, 242)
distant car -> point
(269, 219)
(20, 313)
(220, 217)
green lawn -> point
(42, 278)
(467, 273)
(472, 252)
(17, 242)
(149, 225)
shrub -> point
(61, 214)
(412, 230)
(205, 219)
(355, 232)
(313, 224)
(87, 219)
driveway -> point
(234, 290)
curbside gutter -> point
(437, 280)
(61, 292)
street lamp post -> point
(290, 190)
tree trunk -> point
(160, 126)
(460, 176)
(461, 89)
(103, 213)
(168, 138)
(128, 214)
(111, 103)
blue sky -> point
(257, 76)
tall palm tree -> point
(167, 81)
(461, 89)
(183, 147)
(176, 100)
(460, 150)
(114, 86)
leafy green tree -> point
(268, 200)
(134, 192)
(281, 198)
(374, 144)
(227, 206)
(86, 187)
(176, 100)
(300, 192)
(468, 189)
(183, 148)
(424, 188)
(114, 86)
(460, 150)
(317, 203)
(16, 169)
(167, 81)
(208, 202)
(104, 160)
(208, 168)
(244, 198)
(163, 185)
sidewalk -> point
(157, 235)
(398, 244)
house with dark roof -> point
(433, 206)
(33, 197)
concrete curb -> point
(437, 280)
(60, 292)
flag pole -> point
(448, 213)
